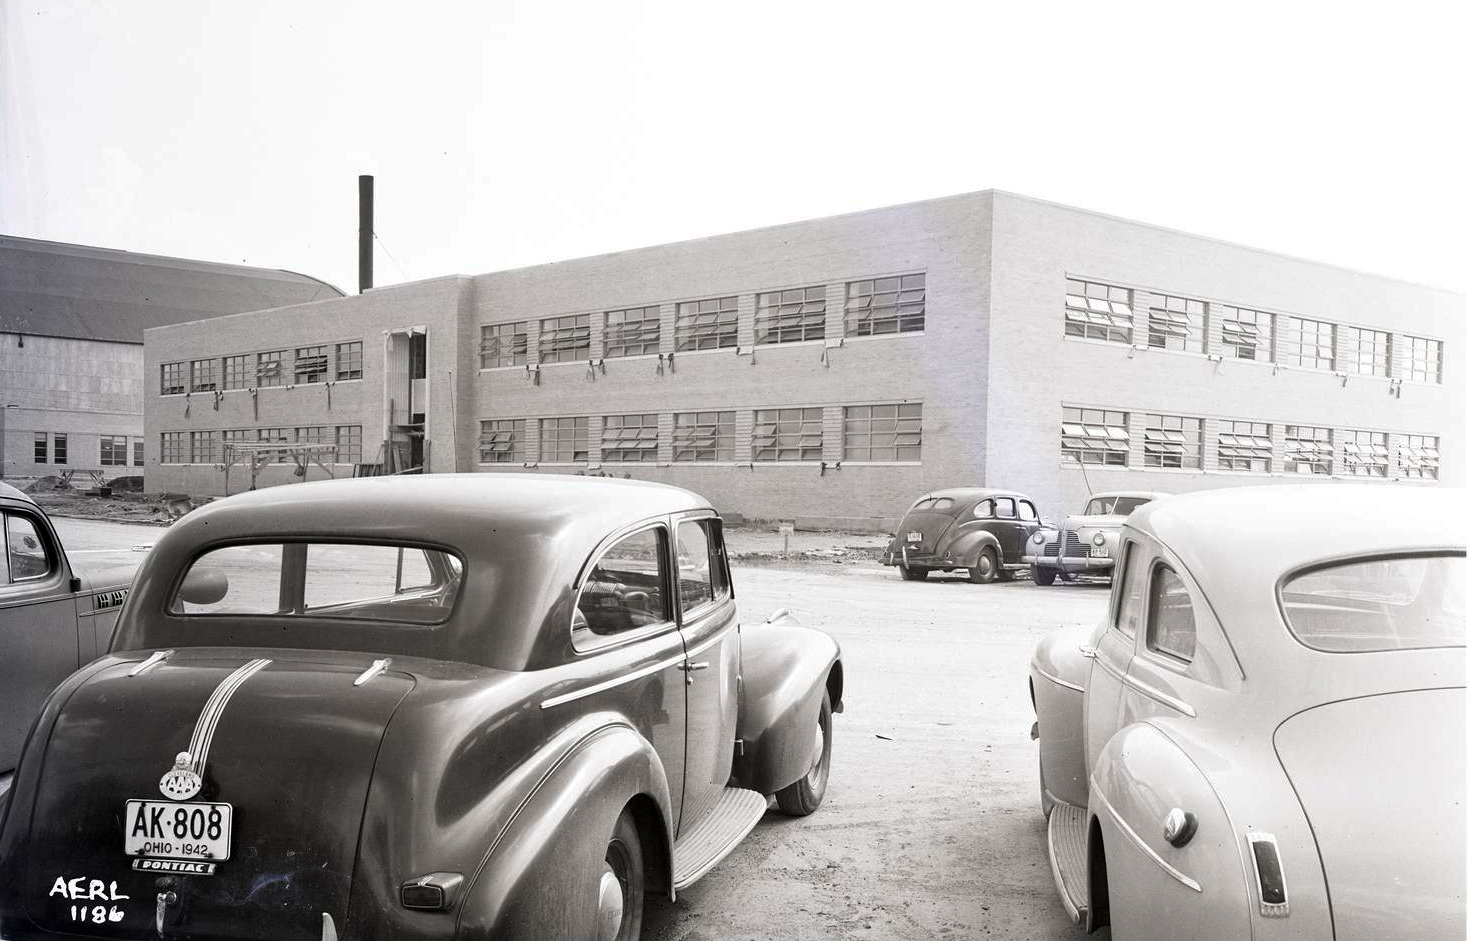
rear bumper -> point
(1070, 563)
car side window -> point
(627, 588)
(25, 550)
(1005, 508)
(696, 580)
(1170, 615)
(1130, 590)
(1028, 512)
(985, 509)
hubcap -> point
(609, 905)
(814, 776)
(985, 565)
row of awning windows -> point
(1098, 311)
(1095, 436)
(871, 307)
(870, 433)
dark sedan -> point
(981, 531)
(415, 708)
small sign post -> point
(787, 531)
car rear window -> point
(934, 503)
(1399, 603)
(393, 583)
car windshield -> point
(391, 583)
(1113, 506)
(1402, 603)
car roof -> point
(13, 493)
(1238, 542)
(972, 493)
(447, 508)
(524, 539)
(1139, 494)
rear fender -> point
(1156, 890)
(1058, 678)
(541, 875)
(967, 544)
(784, 671)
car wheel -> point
(983, 571)
(1042, 575)
(620, 889)
(913, 574)
(804, 796)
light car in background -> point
(54, 617)
(1266, 736)
(981, 531)
(1085, 544)
(415, 707)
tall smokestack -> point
(364, 233)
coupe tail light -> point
(1270, 880)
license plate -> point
(1098, 552)
(194, 832)
(916, 537)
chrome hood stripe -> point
(214, 708)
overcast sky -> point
(506, 134)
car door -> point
(626, 622)
(1113, 652)
(707, 619)
(38, 626)
(1028, 522)
(1008, 530)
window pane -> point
(696, 586)
(626, 588)
(1170, 615)
(1130, 590)
(387, 583)
(1379, 604)
(24, 549)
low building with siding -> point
(71, 345)
(831, 370)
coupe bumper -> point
(1070, 563)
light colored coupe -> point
(1087, 543)
(1266, 736)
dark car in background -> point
(54, 617)
(981, 531)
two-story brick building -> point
(833, 369)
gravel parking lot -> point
(931, 826)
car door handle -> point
(1089, 653)
(689, 667)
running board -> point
(719, 831)
(1066, 846)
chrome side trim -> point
(1110, 669)
(375, 670)
(329, 928)
(1159, 696)
(1057, 679)
(638, 674)
(1173, 873)
(612, 683)
(154, 659)
(709, 642)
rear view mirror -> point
(204, 585)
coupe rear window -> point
(1402, 603)
(322, 580)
